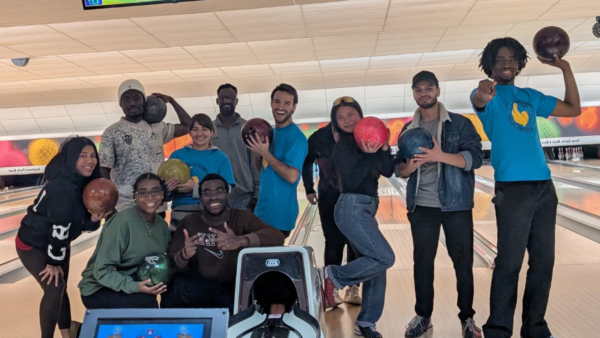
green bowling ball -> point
(158, 268)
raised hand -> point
(485, 93)
(164, 97)
(190, 244)
(557, 62)
(227, 240)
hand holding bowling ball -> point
(155, 108)
(412, 141)
(158, 269)
(550, 41)
(257, 134)
(100, 196)
(434, 154)
(371, 134)
(174, 168)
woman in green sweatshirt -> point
(126, 239)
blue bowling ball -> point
(410, 141)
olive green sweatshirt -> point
(125, 241)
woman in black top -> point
(55, 219)
(359, 170)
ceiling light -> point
(20, 62)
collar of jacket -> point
(416, 121)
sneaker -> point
(353, 295)
(329, 289)
(338, 298)
(470, 330)
(367, 331)
(417, 327)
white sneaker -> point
(353, 295)
(338, 298)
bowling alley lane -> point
(572, 196)
(18, 195)
(12, 206)
(579, 173)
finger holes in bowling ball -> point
(550, 41)
(257, 126)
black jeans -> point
(526, 220)
(55, 307)
(334, 238)
(106, 298)
(425, 224)
(192, 291)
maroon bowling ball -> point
(549, 41)
(257, 126)
(100, 196)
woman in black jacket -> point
(55, 219)
(359, 169)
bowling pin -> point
(568, 154)
(561, 154)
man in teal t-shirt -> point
(281, 166)
(525, 199)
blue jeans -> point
(355, 216)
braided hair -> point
(490, 52)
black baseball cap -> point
(425, 76)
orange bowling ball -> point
(100, 196)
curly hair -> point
(490, 52)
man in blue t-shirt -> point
(525, 199)
(281, 164)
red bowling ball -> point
(257, 126)
(100, 196)
(370, 129)
(549, 41)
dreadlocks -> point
(490, 52)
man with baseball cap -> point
(131, 146)
(441, 185)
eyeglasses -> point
(219, 193)
(346, 99)
(146, 193)
(227, 98)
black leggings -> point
(55, 306)
(106, 298)
(192, 291)
(335, 241)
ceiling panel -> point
(248, 71)
(330, 66)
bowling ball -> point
(410, 141)
(370, 129)
(155, 111)
(174, 168)
(158, 268)
(100, 196)
(257, 126)
(549, 41)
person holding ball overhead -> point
(525, 198)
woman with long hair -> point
(109, 279)
(359, 168)
(202, 158)
(55, 219)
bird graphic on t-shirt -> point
(521, 118)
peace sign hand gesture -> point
(227, 241)
(190, 244)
